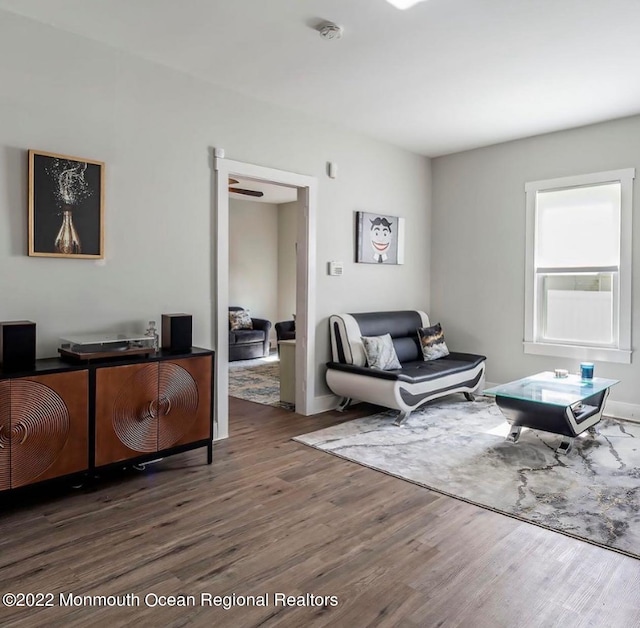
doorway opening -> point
(305, 281)
(263, 220)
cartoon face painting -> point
(380, 238)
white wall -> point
(155, 128)
(253, 258)
(479, 238)
(287, 230)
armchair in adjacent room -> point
(285, 330)
(248, 337)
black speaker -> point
(176, 332)
(17, 345)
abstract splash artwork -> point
(66, 206)
(379, 239)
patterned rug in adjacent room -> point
(457, 448)
(259, 383)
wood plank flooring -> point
(274, 516)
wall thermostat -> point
(336, 269)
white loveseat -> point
(415, 383)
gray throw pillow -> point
(432, 342)
(380, 352)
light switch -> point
(336, 269)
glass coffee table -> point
(562, 405)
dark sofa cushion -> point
(243, 336)
(399, 323)
(402, 325)
(418, 370)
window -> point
(578, 266)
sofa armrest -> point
(262, 324)
(265, 326)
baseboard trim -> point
(324, 404)
(621, 410)
(616, 409)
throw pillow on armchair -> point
(239, 319)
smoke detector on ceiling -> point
(329, 30)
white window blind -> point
(578, 227)
(578, 265)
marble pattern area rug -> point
(458, 448)
(259, 383)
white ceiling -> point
(443, 76)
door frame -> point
(305, 282)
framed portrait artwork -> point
(66, 206)
(379, 239)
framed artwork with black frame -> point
(379, 238)
(66, 206)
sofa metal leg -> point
(402, 417)
(469, 396)
(345, 402)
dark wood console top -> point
(44, 366)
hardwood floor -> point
(274, 516)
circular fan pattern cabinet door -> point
(5, 430)
(48, 426)
(185, 401)
(39, 429)
(134, 423)
(164, 417)
(124, 412)
(177, 404)
(145, 408)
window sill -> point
(592, 354)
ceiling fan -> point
(232, 182)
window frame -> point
(621, 351)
